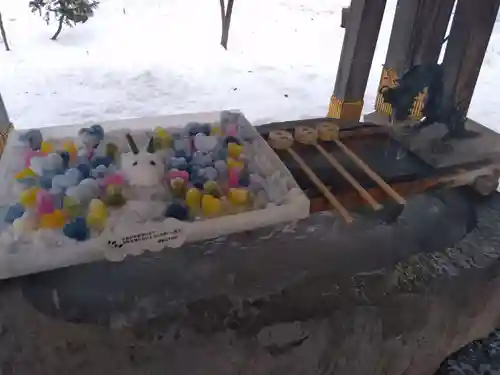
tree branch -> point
(222, 13)
(4, 35)
(59, 28)
(226, 22)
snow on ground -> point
(150, 57)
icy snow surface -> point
(151, 57)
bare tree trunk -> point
(59, 28)
(222, 13)
(226, 21)
(4, 35)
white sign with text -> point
(134, 240)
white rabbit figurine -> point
(142, 168)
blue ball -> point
(45, 181)
(76, 229)
(180, 154)
(33, 138)
(221, 154)
(197, 173)
(65, 158)
(99, 172)
(178, 163)
(204, 128)
(189, 169)
(97, 131)
(179, 144)
(244, 178)
(84, 169)
(58, 200)
(101, 160)
(192, 128)
(198, 184)
(82, 159)
(177, 211)
(15, 212)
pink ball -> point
(114, 179)
(231, 130)
(178, 174)
(44, 202)
(233, 177)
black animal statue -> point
(435, 110)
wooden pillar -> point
(417, 36)
(362, 22)
(4, 117)
(469, 37)
(5, 125)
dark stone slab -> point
(470, 150)
(465, 151)
(248, 266)
(379, 298)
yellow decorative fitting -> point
(345, 110)
(4, 135)
(388, 79)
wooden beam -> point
(5, 125)
(469, 37)
(416, 38)
(362, 30)
(4, 117)
(417, 33)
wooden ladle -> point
(309, 136)
(283, 140)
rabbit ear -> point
(151, 145)
(132, 144)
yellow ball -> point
(71, 207)
(97, 205)
(46, 148)
(114, 196)
(216, 130)
(234, 150)
(24, 173)
(70, 148)
(162, 138)
(233, 163)
(238, 196)
(28, 197)
(97, 215)
(193, 198)
(53, 220)
(210, 206)
(212, 188)
(96, 221)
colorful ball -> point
(14, 212)
(177, 211)
(76, 229)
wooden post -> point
(5, 125)
(417, 36)
(362, 23)
(469, 37)
(4, 117)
